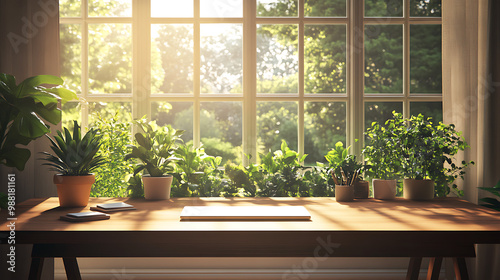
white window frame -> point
(355, 98)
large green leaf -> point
(30, 125)
(63, 93)
(51, 114)
(26, 86)
(16, 157)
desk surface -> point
(367, 221)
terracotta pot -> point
(156, 188)
(418, 189)
(361, 189)
(344, 193)
(384, 189)
(73, 191)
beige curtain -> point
(471, 98)
(29, 46)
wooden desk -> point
(364, 228)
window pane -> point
(276, 121)
(110, 8)
(70, 8)
(383, 8)
(221, 8)
(164, 8)
(323, 8)
(425, 8)
(432, 110)
(221, 129)
(110, 58)
(384, 59)
(171, 58)
(177, 114)
(277, 8)
(380, 111)
(221, 58)
(71, 61)
(425, 59)
(325, 58)
(71, 111)
(109, 109)
(324, 125)
(277, 59)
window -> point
(239, 76)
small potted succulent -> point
(428, 152)
(155, 150)
(383, 157)
(344, 170)
(74, 157)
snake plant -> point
(74, 155)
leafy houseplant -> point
(344, 170)
(280, 173)
(26, 110)
(156, 148)
(75, 157)
(427, 156)
(383, 156)
(491, 202)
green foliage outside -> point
(115, 136)
(277, 48)
(110, 70)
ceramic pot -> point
(73, 191)
(418, 189)
(384, 189)
(156, 188)
(344, 193)
(361, 189)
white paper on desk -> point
(298, 213)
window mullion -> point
(355, 113)
(85, 64)
(196, 74)
(141, 61)
(301, 112)
(406, 59)
(249, 79)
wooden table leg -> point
(460, 269)
(413, 268)
(36, 268)
(434, 268)
(72, 270)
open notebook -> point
(265, 213)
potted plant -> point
(344, 170)
(155, 149)
(427, 156)
(382, 155)
(25, 112)
(75, 157)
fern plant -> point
(74, 155)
